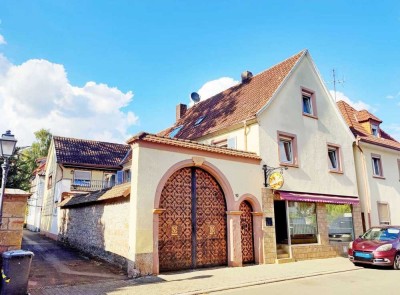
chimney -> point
(180, 111)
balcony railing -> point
(90, 185)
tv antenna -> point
(336, 81)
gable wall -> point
(285, 114)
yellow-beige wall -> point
(244, 178)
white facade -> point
(35, 203)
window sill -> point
(310, 116)
(378, 176)
(289, 165)
(336, 171)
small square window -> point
(383, 213)
(334, 158)
(375, 130)
(285, 150)
(377, 166)
(308, 103)
(287, 147)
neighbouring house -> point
(287, 117)
(75, 166)
(377, 160)
(36, 199)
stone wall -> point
(98, 229)
(14, 206)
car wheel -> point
(396, 263)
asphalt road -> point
(363, 281)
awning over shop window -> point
(330, 199)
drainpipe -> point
(365, 178)
(245, 133)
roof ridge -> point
(88, 140)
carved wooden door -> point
(192, 229)
(246, 223)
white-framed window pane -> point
(303, 222)
(307, 105)
(285, 151)
(333, 161)
(231, 142)
(374, 129)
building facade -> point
(76, 166)
(377, 160)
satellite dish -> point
(195, 96)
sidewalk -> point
(209, 280)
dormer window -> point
(175, 131)
(375, 130)
(199, 120)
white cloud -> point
(389, 96)
(358, 105)
(37, 94)
(213, 87)
(2, 40)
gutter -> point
(365, 180)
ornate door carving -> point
(211, 248)
(192, 229)
(246, 223)
(175, 223)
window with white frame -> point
(377, 166)
(334, 158)
(375, 130)
(287, 145)
(226, 142)
(383, 213)
(308, 102)
(82, 178)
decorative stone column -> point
(322, 222)
(234, 238)
(268, 231)
(258, 237)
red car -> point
(378, 246)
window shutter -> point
(383, 212)
(120, 177)
(232, 142)
(83, 175)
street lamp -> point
(7, 147)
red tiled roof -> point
(364, 115)
(118, 191)
(82, 152)
(352, 118)
(234, 105)
(192, 145)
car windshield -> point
(381, 234)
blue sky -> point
(109, 69)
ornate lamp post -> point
(7, 148)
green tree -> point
(23, 162)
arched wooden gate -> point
(192, 229)
(246, 224)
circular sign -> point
(275, 180)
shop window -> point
(303, 222)
(340, 222)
